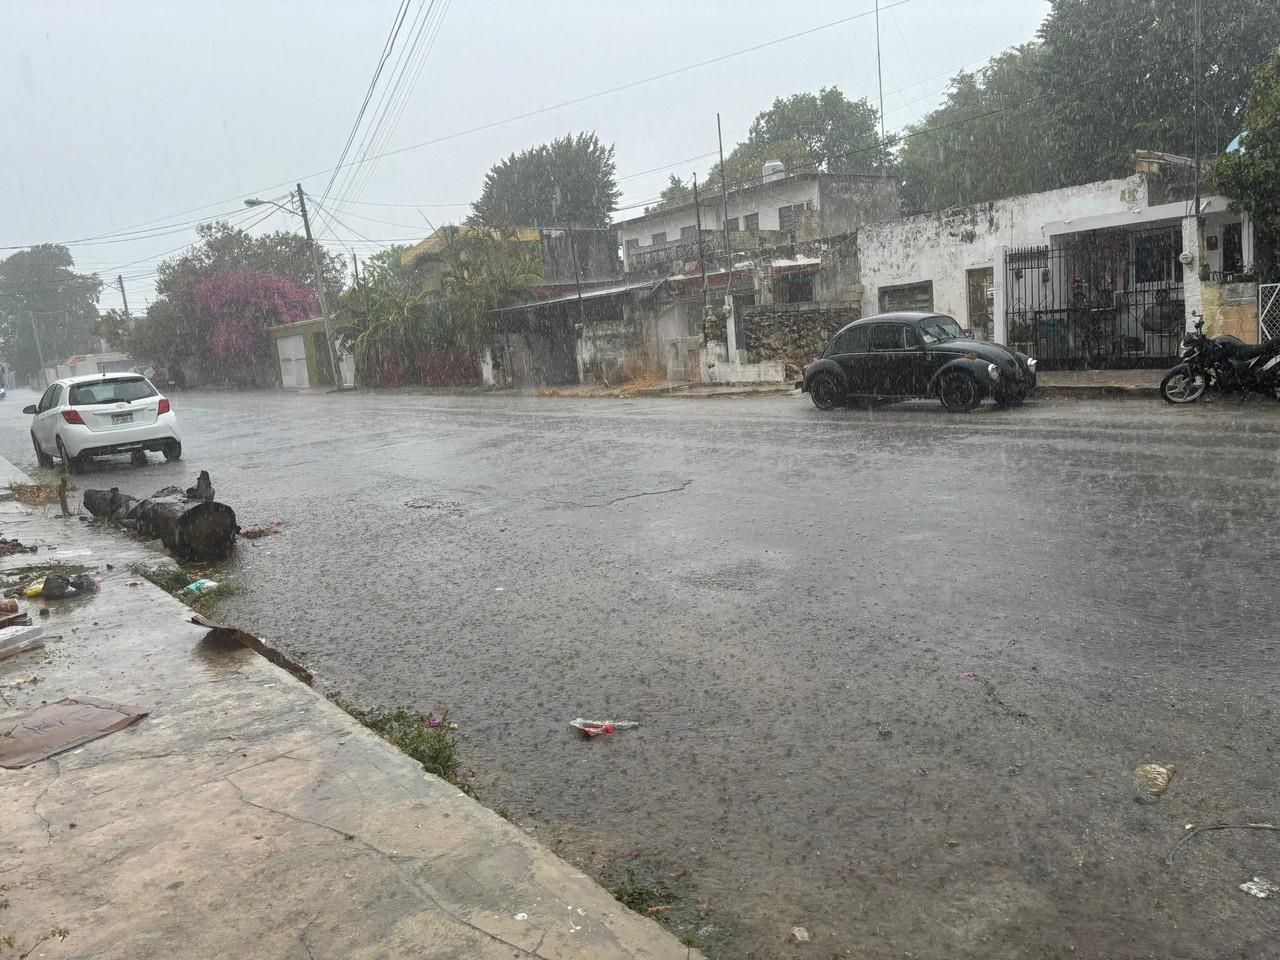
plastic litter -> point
(16, 640)
(800, 935)
(9, 606)
(55, 587)
(202, 585)
(1152, 780)
(1262, 888)
(593, 728)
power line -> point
(512, 119)
(387, 46)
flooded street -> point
(894, 670)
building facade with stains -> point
(1105, 274)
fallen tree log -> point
(196, 530)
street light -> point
(315, 263)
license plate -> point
(122, 418)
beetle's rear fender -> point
(824, 366)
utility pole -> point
(125, 297)
(39, 352)
(320, 294)
(1195, 131)
(724, 216)
(702, 260)
(884, 171)
(355, 269)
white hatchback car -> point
(95, 416)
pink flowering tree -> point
(236, 308)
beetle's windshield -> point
(940, 328)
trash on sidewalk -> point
(9, 547)
(593, 728)
(202, 585)
(9, 605)
(1262, 888)
(434, 720)
(258, 531)
(57, 587)
(15, 620)
(61, 726)
(16, 640)
(1152, 780)
(799, 935)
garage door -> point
(293, 362)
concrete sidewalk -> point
(246, 816)
(1052, 384)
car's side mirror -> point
(968, 332)
(29, 408)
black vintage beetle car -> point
(902, 356)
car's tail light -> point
(73, 416)
(164, 406)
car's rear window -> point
(111, 391)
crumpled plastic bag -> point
(57, 587)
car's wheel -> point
(826, 391)
(1182, 386)
(69, 463)
(173, 451)
(959, 392)
(42, 458)
(138, 458)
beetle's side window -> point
(46, 400)
(853, 340)
(888, 336)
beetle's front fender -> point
(976, 368)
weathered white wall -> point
(764, 200)
(942, 246)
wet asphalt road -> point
(791, 603)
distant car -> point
(96, 416)
(904, 356)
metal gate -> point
(1268, 311)
(1102, 299)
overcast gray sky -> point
(155, 112)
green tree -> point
(982, 144)
(1251, 176)
(673, 194)
(807, 131)
(222, 249)
(1119, 76)
(39, 284)
(395, 319)
(570, 181)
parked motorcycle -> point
(1226, 364)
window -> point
(46, 400)
(733, 224)
(690, 232)
(751, 223)
(658, 238)
(853, 340)
(907, 296)
(633, 244)
(793, 288)
(112, 391)
(1155, 257)
(890, 336)
(788, 217)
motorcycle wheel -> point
(1183, 386)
